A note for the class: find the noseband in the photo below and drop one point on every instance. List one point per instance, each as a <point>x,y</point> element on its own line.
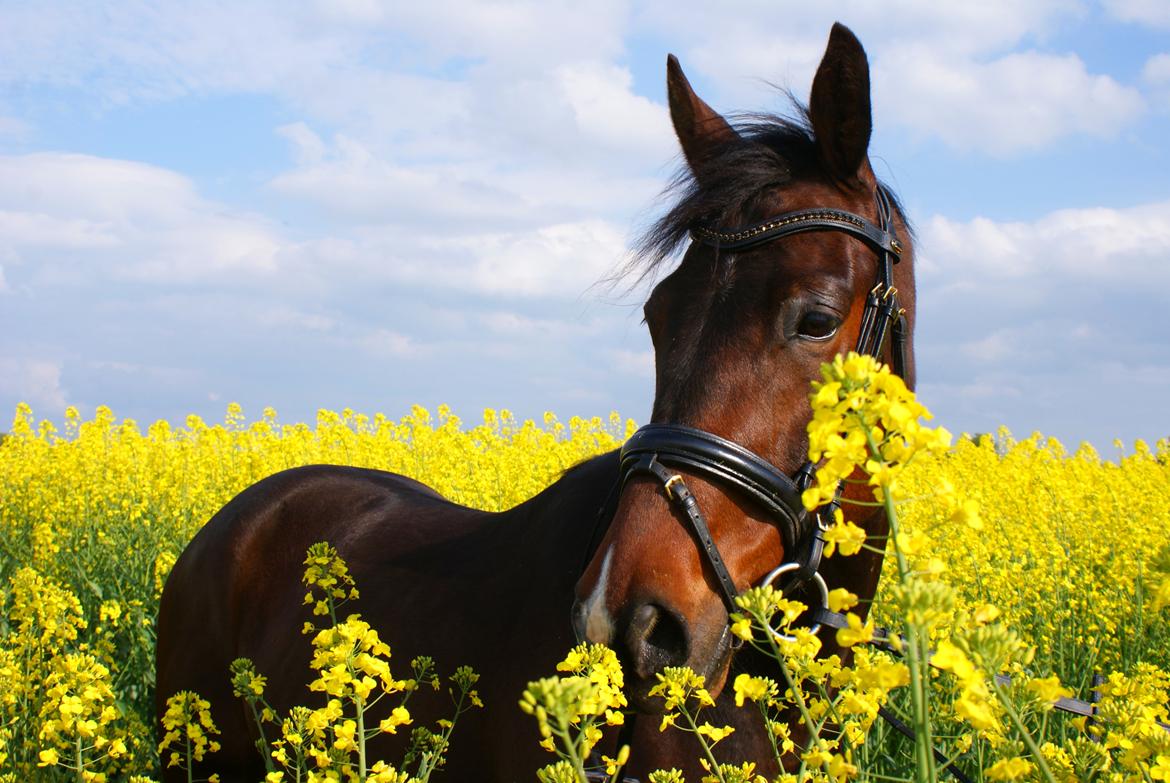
<point>659,449</point>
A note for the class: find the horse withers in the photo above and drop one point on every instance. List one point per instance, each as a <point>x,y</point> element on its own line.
<point>790,231</point>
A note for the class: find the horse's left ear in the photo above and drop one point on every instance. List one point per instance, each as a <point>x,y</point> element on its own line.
<point>839,108</point>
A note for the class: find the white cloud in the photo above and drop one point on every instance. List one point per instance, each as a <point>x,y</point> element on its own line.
<point>99,216</point>
<point>1101,245</point>
<point>69,219</point>
<point>35,381</point>
<point>1037,323</point>
<point>638,363</point>
<point>386,343</point>
<point>14,128</point>
<point>994,347</point>
<point>1022,101</point>
<point>354,186</point>
<point>1153,13</point>
<point>1156,74</point>
<point>1157,69</point>
<point>279,316</point>
<point>556,259</point>
<point>607,111</point>
<point>530,329</point>
<point>554,262</point>
<point>308,148</point>
<point>349,181</point>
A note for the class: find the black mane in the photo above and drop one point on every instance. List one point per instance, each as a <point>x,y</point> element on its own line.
<point>769,151</point>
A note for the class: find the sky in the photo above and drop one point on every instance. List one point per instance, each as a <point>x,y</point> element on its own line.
<point>380,204</point>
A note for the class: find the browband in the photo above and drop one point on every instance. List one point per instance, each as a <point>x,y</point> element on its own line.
<point>795,222</point>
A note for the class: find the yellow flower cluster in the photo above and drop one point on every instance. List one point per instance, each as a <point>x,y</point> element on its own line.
<point>864,416</point>
<point>836,702</point>
<point>328,581</point>
<point>865,419</point>
<point>570,711</point>
<point>78,710</point>
<point>353,671</point>
<point>57,708</point>
<point>188,730</point>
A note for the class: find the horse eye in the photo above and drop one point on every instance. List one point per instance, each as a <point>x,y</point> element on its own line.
<point>818,325</point>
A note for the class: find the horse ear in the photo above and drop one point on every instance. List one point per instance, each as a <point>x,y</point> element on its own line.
<point>839,108</point>
<point>700,129</point>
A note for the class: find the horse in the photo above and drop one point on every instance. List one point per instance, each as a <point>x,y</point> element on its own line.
<point>642,549</point>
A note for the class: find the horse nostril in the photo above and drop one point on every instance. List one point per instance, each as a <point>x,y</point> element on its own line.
<point>656,638</point>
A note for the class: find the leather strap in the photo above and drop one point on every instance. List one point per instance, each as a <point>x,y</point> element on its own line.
<point>680,446</point>
<point>678,493</point>
<point>821,219</point>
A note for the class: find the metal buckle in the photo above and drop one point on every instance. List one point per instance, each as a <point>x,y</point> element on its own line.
<point>817,579</point>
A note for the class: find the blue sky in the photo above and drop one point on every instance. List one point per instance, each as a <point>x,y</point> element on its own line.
<point>374,204</point>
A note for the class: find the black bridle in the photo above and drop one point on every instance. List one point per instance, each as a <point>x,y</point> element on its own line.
<point>659,449</point>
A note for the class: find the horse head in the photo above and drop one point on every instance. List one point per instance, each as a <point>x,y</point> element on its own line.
<point>789,229</point>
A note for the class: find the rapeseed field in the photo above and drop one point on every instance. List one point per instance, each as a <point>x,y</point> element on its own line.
<point>1068,549</point>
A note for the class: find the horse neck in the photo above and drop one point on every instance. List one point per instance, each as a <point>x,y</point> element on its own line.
<point>552,532</point>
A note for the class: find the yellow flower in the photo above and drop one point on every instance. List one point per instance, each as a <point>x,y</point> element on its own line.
<point>1048,690</point>
<point>742,628</point>
<point>1009,769</point>
<point>846,535</point>
<point>613,765</point>
<point>841,599</point>
<point>398,717</point>
<point>967,513</point>
<point>950,658</point>
<point>856,633</point>
<point>712,733</point>
<point>754,688</point>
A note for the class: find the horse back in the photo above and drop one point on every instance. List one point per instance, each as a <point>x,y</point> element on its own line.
<point>236,590</point>
<point>435,578</point>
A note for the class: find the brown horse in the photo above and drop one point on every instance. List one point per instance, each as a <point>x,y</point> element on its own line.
<point>739,327</point>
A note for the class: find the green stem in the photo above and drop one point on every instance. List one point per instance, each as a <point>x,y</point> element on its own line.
<point>80,762</point>
<point>1025,735</point>
<point>262,742</point>
<point>570,748</point>
<point>702,743</point>
<point>916,642</point>
<point>771,735</point>
<point>425,766</point>
<point>797,692</point>
<point>361,736</point>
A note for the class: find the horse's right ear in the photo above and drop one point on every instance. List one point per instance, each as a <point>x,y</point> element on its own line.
<point>700,129</point>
